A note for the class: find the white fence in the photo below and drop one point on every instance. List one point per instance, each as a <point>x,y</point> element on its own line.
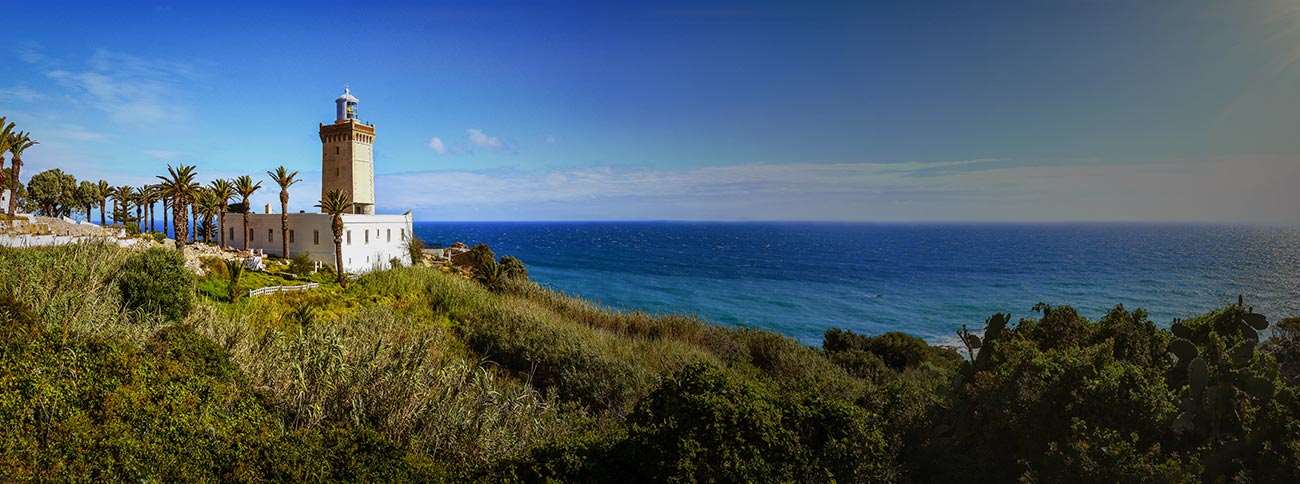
<point>21,241</point>
<point>277,289</point>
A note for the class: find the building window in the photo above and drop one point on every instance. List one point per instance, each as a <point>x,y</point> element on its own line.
<point>250,235</point>
<point>336,150</point>
<point>290,236</point>
<point>390,235</point>
<point>367,235</point>
<point>403,234</point>
<point>315,237</point>
<point>349,237</point>
<point>232,233</point>
<point>270,235</point>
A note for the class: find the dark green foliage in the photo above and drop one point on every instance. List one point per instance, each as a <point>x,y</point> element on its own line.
<point>556,360</point>
<point>1060,397</point>
<point>513,268</point>
<point>493,274</point>
<point>300,265</point>
<point>415,248</point>
<point>1284,346</point>
<point>156,281</point>
<point>234,270</point>
<point>703,424</point>
<point>54,192</point>
<point>897,350</point>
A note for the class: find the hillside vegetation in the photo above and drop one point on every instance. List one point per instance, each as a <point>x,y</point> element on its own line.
<point>119,365</point>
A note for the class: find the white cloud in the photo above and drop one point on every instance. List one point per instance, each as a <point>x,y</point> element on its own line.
<point>131,90</point>
<point>436,144</point>
<point>1255,190</point>
<point>31,53</point>
<point>19,94</point>
<point>77,133</point>
<point>480,139</point>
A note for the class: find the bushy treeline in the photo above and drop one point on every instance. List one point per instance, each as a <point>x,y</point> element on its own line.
<point>418,374</point>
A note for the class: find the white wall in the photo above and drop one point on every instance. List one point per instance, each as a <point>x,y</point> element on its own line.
<point>369,248</point>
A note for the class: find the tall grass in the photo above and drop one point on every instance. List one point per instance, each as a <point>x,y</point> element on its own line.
<point>356,363</point>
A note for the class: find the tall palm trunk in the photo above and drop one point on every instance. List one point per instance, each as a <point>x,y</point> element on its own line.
<point>139,217</point>
<point>245,224</point>
<point>284,223</point>
<point>102,204</point>
<point>164,217</point>
<point>4,182</point>
<point>221,228</point>
<point>178,221</point>
<point>194,215</point>
<point>13,194</point>
<point>207,227</point>
<point>338,252</point>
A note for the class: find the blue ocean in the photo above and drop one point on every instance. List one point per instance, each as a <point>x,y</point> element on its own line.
<point>800,279</point>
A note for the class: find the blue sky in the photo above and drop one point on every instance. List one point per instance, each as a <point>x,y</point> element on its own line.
<point>1071,110</point>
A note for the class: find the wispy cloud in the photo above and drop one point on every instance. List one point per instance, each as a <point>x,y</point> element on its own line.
<point>131,90</point>
<point>31,53</point>
<point>436,144</point>
<point>74,132</point>
<point>480,139</point>
<point>1239,189</point>
<point>19,94</point>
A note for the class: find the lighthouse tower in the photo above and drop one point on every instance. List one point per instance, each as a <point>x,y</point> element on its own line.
<point>347,155</point>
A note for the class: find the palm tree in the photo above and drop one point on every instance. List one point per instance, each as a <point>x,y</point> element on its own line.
<point>285,179</point>
<point>139,197</point>
<point>212,206</point>
<point>86,196</point>
<point>5,130</point>
<point>245,187</point>
<point>102,191</point>
<point>124,195</point>
<point>221,190</point>
<point>18,142</point>
<point>194,215</point>
<point>336,204</point>
<point>179,185</point>
<point>148,195</point>
<point>167,203</point>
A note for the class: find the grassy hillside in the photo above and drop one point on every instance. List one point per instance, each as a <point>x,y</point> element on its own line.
<point>414,373</point>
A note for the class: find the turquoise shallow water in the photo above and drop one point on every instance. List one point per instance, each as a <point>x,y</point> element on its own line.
<point>800,279</point>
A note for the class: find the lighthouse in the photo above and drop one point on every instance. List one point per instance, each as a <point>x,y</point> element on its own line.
<point>348,154</point>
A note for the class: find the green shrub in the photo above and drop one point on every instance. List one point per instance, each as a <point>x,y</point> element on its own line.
<point>513,268</point>
<point>704,424</point>
<point>156,281</point>
<point>897,350</point>
<point>415,249</point>
<point>1284,346</point>
<point>234,270</point>
<point>556,358</point>
<point>301,265</point>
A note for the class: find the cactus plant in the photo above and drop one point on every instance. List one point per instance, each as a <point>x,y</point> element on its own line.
<point>1217,374</point>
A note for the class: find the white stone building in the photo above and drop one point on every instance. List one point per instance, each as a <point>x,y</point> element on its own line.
<point>347,164</point>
